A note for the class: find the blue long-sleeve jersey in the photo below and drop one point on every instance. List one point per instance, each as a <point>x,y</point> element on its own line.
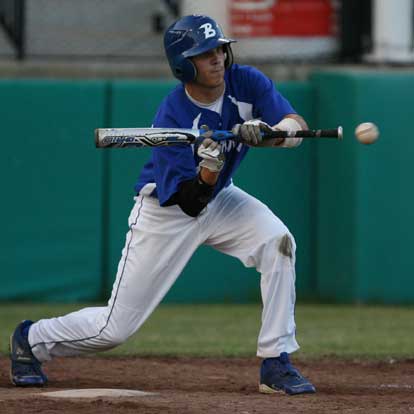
<point>249,94</point>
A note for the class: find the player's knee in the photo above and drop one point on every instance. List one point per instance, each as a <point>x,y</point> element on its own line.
<point>281,244</point>
<point>287,245</point>
<point>278,247</point>
<point>113,338</point>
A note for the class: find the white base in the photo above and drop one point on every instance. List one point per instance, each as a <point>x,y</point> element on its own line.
<point>96,393</point>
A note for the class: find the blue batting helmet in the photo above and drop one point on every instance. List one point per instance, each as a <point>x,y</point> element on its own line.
<point>190,36</point>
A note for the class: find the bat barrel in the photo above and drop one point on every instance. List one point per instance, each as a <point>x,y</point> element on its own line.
<point>143,137</point>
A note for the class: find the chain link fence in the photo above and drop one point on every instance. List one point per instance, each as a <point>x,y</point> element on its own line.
<point>91,29</point>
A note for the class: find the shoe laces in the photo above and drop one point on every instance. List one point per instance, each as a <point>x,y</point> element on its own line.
<point>285,367</point>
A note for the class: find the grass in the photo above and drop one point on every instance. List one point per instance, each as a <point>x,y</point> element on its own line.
<point>371,332</point>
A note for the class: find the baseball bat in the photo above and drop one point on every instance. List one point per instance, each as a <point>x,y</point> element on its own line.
<point>156,137</point>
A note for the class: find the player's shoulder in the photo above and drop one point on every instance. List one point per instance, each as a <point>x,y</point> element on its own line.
<point>246,73</point>
<point>247,82</point>
<point>173,109</point>
<point>175,96</point>
<point>174,100</point>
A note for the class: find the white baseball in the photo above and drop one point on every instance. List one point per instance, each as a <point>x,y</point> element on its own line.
<point>366,133</point>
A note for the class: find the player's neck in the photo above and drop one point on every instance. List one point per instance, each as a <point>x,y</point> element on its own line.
<point>204,94</point>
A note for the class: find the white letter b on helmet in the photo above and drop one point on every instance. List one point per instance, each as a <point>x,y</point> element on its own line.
<point>208,30</point>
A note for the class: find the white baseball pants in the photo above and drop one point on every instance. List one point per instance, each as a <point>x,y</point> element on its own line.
<point>160,242</point>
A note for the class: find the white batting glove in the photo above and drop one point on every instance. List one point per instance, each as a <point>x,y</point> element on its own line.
<point>289,124</point>
<point>212,157</point>
<point>250,131</point>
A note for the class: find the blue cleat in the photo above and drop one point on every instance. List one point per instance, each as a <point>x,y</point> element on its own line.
<point>26,370</point>
<point>279,375</point>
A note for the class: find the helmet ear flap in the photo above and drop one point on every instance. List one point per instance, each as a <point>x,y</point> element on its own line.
<point>185,71</point>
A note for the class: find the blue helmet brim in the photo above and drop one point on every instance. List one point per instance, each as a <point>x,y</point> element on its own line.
<point>211,44</point>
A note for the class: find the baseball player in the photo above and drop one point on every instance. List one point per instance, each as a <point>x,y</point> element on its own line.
<point>185,198</point>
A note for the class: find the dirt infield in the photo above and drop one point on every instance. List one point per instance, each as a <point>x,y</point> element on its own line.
<point>202,385</point>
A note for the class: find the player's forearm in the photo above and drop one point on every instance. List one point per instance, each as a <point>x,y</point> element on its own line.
<point>299,119</point>
<point>192,196</point>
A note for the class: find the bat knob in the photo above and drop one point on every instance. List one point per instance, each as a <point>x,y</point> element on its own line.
<point>340,132</point>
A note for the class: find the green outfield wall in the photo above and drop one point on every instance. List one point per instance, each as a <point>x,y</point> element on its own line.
<point>365,198</point>
<point>65,204</point>
<point>51,204</point>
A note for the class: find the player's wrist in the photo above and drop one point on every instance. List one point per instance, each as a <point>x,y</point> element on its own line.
<point>207,177</point>
<point>212,165</point>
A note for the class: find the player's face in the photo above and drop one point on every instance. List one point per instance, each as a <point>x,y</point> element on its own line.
<point>210,67</point>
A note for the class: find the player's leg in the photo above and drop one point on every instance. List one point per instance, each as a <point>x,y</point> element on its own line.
<point>158,245</point>
<point>248,230</point>
<point>242,226</point>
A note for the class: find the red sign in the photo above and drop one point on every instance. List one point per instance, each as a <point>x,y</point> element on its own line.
<point>267,18</point>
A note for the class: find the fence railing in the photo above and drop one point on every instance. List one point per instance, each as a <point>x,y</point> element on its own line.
<point>12,19</point>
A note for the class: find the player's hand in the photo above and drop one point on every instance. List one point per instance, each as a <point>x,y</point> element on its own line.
<point>210,153</point>
<point>277,142</point>
<point>250,132</point>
